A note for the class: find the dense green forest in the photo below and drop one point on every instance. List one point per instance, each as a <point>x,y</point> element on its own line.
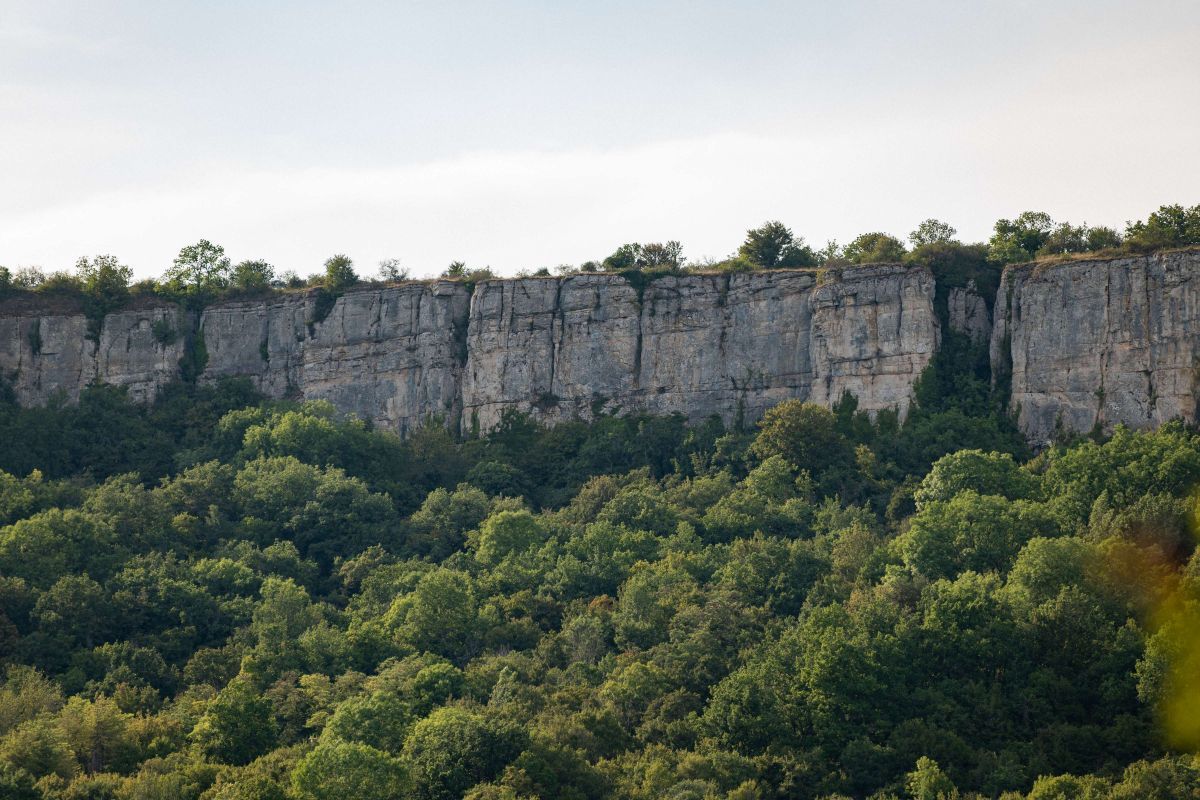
<point>227,598</point>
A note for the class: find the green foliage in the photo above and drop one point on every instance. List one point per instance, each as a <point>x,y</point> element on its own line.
<point>224,598</point>
<point>654,256</point>
<point>930,232</point>
<point>773,246</point>
<point>1068,238</point>
<point>164,332</point>
<point>199,271</point>
<point>342,770</point>
<point>339,273</point>
<point>873,248</point>
<point>453,749</point>
<point>237,726</point>
<point>928,782</point>
<point>1019,239</point>
<point>806,436</point>
<point>1169,226</point>
<point>105,285</point>
<point>252,276</point>
<point>194,358</point>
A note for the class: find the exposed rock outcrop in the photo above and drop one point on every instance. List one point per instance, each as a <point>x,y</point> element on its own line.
<point>391,355</point>
<point>968,313</point>
<point>1103,342</point>
<point>47,354</point>
<point>731,345</point>
<point>557,348</point>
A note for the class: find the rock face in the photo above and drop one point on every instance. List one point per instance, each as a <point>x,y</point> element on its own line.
<point>1100,342</point>
<point>969,313</point>
<point>731,345</point>
<point>392,356</point>
<point>557,348</point>
<point>1081,344</point>
<point>44,355</point>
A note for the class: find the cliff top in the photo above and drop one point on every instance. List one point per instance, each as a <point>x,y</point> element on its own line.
<point>66,302</point>
<point>1046,263</point>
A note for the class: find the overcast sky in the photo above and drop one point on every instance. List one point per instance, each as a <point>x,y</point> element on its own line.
<point>529,134</point>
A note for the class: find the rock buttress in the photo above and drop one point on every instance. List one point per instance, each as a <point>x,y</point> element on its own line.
<point>1101,342</point>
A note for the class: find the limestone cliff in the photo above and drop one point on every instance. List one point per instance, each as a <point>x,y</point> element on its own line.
<point>45,354</point>
<point>1099,342</point>
<point>390,355</point>
<point>557,348</point>
<point>731,345</point>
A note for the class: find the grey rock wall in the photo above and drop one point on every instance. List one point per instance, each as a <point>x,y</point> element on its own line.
<point>388,355</point>
<point>557,348</point>
<point>730,345</point>
<point>1089,343</point>
<point>43,355</point>
<point>969,313</point>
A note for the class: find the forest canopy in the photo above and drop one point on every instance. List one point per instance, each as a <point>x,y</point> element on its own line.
<point>221,597</point>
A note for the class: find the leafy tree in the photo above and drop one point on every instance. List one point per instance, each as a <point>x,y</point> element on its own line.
<point>100,734</point>
<point>624,257</point>
<point>928,782</point>
<point>199,268</point>
<point>17,784</point>
<point>105,284</point>
<point>440,525</point>
<point>661,255</point>
<point>253,275</point>
<point>25,694</point>
<point>339,273</point>
<point>237,726</point>
<point>506,533</point>
<point>76,607</point>
<point>1169,226</point>
<point>773,246</point>
<point>931,231</point>
<point>1068,238</point>
<point>391,271</point>
<point>805,435</point>
<point>38,747</point>
<point>972,532</point>
<point>1021,238</point>
<point>341,770</point>
<point>975,470</point>
<point>872,248</point>
<point>453,749</point>
<point>440,615</point>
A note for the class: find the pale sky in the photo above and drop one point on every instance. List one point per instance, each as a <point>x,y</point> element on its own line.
<point>529,134</point>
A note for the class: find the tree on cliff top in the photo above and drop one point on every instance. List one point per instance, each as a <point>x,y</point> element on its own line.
<point>773,246</point>
<point>932,231</point>
<point>1019,239</point>
<point>874,248</point>
<point>339,272</point>
<point>199,268</point>
<point>1169,226</point>
<point>655,255</point>
<point>105,281</point>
